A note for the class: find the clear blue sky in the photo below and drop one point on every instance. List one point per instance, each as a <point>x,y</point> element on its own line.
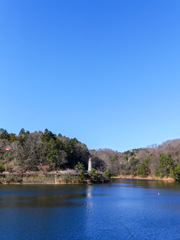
<point>105,72</point>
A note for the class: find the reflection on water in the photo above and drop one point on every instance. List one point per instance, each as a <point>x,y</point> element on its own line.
<point>149,209</point>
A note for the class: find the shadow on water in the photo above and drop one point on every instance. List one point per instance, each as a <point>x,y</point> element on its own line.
<point>43,196</point>
<point>156,184</point>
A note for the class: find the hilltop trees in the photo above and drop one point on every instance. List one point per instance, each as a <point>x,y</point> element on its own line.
<point>162,160</point>
<point>4,134</point>
<point>31,151</point>
<point>49,151</point>
<point>56,155</point>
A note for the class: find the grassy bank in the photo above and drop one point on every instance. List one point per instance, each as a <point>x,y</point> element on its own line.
<point>51,179</point>
<point>152,177</point>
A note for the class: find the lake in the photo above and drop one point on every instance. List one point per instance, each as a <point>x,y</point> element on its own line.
<point>123,209</point>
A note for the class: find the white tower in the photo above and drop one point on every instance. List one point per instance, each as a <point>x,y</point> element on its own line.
<point>89,165</point>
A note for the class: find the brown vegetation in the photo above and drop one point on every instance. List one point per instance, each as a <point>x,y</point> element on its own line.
<point>46,151</point>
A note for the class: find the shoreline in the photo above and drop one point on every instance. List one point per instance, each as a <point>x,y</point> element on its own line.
<point>58,179</point>
<point>152,177</point>
<point>52,179</point>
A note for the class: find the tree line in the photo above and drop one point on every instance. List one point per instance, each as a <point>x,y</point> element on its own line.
<point>46,151</point>
<point>40,151</point>
<point>161,161</point>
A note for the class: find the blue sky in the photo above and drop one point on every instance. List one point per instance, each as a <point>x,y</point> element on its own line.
<point>105,72</point>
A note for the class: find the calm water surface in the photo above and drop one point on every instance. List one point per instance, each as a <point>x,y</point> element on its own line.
<point>148,209</point>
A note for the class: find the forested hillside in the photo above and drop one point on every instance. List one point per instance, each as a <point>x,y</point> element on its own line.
<point>160,161</point>
<point>40,151</point>
<point>46,151</point>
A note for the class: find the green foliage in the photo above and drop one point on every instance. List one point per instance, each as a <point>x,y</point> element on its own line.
<point>114,159</point>
<point>108,174</point>
<point>22,131</point>
<point>32,151</point>
<point>143,169</point>
<point>70,148</point>
<point>22,137</point>
<point>127,152</point>
<point>132,165</point>
<point>2,130</point>
<point>93,175</point>
<point>175,172</point>
<point>21,140</point>
<point>46,150</point>
<point>80,168</point>
<point>96,177</point>
<point>2,168</point>
<point>135,161</point>
<point>165,164</point>
<point>53,151</point>
<point>12,137</point>
<point>149,157</point>
<point>48,135</point>
<point>136,150</point>
<point>4,134</point>
<point>176,153</point>
<point>126,155</point>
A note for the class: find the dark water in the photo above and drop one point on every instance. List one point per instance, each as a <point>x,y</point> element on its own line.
<point>96,212</point>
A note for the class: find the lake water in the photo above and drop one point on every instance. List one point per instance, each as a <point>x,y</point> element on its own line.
<point>146,209</point>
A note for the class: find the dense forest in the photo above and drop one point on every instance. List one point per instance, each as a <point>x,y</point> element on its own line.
<point>46,151</point>
<point>43,151</point>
